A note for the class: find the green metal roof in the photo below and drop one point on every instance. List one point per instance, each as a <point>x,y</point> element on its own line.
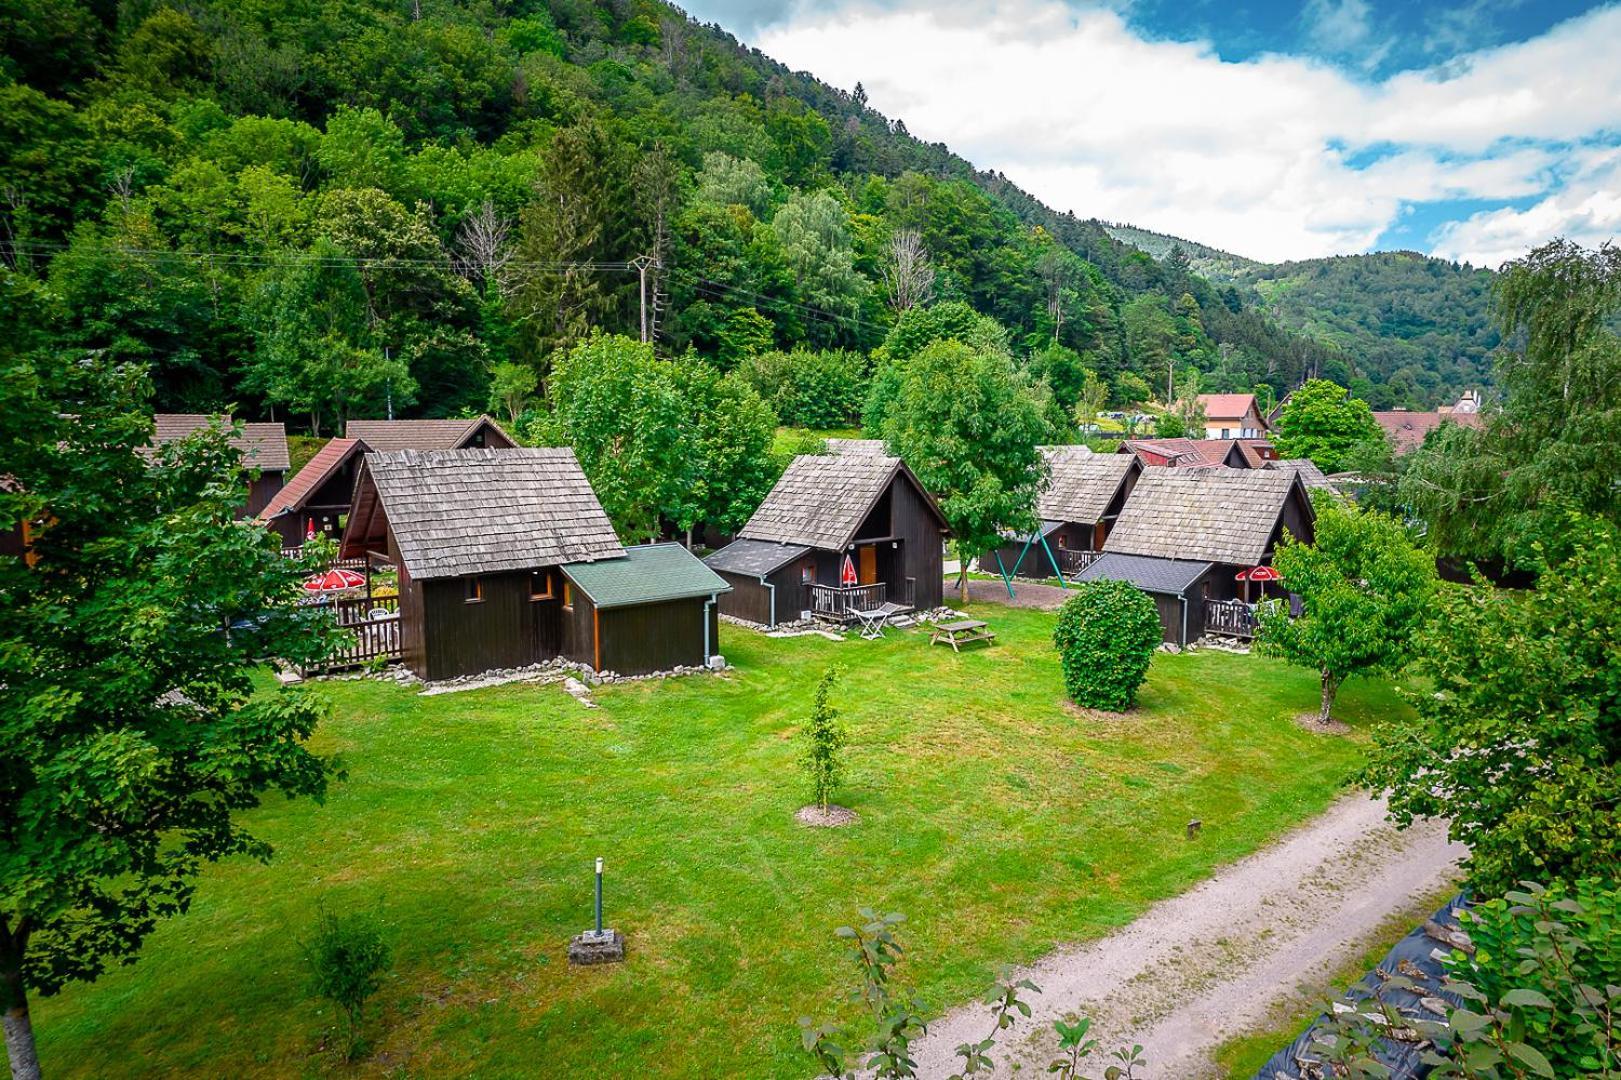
<point>649,574</point>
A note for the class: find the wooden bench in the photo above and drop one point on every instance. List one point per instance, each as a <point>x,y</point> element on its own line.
<point>961,632</point>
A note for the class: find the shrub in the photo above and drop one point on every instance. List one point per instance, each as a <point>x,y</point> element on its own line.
<point>824,743</point>
<point>810,388</point>
<point>1106,635</point>
<point>347,958</point>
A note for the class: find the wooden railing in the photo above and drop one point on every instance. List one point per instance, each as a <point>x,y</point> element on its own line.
<point>1071,561</point>
<point>372,626</point>
<point>834,601</point>
<point>356,563</point>
<point>1231,618</point>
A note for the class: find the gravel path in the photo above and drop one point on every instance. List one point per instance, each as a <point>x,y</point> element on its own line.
<point>1026,594</point>
<point>1202,967</point>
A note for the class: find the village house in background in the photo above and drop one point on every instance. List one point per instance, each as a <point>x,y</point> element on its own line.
<point>384,436</point>
<point>316,499</point>
<point>263,447</point>
<point>1186,453</point>
<point>1232,416</point>
<point>1078,504</point>
<point>505,558</point>
<point>839,533</point>
<point>1406,429</point>
<point>1200,542</point>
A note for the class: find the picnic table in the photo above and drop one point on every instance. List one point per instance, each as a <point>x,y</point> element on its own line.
<point>873,620</point>
<point>960,632</point>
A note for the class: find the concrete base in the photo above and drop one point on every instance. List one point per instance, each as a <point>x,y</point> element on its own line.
<point>590,947</point>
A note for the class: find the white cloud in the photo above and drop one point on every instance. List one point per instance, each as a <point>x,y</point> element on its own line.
<point>1586,209</point>
<point>1263,157</point>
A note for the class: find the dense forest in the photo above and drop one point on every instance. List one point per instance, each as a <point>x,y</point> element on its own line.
<point>1410,329</point>
<point>317,210</point>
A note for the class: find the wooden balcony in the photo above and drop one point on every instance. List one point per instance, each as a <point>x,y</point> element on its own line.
<point>1071,561</point>
<point>1229,618</point>
<point>839,603</point>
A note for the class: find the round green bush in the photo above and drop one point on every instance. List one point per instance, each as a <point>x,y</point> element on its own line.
<point>1107,633</point>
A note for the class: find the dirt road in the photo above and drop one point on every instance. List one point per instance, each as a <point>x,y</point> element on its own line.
<point>1198,969</point>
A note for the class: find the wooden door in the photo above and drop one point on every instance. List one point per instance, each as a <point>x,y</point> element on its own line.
<point>867,565</point>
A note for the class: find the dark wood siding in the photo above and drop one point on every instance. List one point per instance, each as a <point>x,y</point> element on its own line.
<point>413,636</point>
<point>504,629</point>
<point>326,508</point>
<point>652,637</point>
<point>751,600</point>
<point>260,492</point>
<point>920,535</point>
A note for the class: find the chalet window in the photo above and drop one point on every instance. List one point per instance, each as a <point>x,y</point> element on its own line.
<point>568,596</point>
<point>473,589</point>
<point>541,586</point>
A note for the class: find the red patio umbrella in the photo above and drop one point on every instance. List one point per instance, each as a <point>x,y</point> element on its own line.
<point>1258,573</point>
<point>334,581</point>
<point>847,576</point>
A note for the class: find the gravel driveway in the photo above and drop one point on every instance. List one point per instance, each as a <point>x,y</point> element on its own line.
<point>1202,967</point>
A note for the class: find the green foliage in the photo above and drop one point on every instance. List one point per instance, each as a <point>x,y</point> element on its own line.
<point>1170,425</point>
<point>1321,422</point>
<point>825,737</point>
<point>810,388</point>
<point>133,733</point>
<point>347,958</point>
<point>728,181</point>
<point>1106,636</point>
<point>1518,743</point>
<point>968,424</point>
<point>511,387</point>
<point>1366,588</point>
<point>1494,491</point>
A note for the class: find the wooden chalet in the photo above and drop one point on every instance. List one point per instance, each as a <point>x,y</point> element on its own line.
<point>1078,505</point>
<point>1193,540</point>
<point>839,533</point>
<point>317,498</point>
<point>386,436</point>
<point>505,558</point>
<point>263,447</point>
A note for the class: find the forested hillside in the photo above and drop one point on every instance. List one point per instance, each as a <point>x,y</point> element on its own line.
<point>1413,330</point>
<point>324,210</point>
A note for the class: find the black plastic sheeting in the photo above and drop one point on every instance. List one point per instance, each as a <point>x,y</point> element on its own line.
<point>1416,957</point>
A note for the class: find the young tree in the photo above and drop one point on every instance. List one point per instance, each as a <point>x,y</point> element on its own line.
<point>1323,423</point>
<point>1106,636</point>
<point>1089,405</point>
<point>968,424</point>
<point>1366,588</point>
<point>347,958</point>
<point>824,743</point>
<point>131,731</point>
<point>511,387</point>
<point>1517,744</point>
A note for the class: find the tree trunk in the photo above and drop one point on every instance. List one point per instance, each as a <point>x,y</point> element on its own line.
<point>962,572</point>
<point>1331,687</point>
<point>19,1030</point>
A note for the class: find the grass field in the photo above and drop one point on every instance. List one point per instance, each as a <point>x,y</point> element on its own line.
<point>997,818</point>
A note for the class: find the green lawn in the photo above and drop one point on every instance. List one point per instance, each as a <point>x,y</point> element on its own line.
<point>999,820</point>
<point>789,437</point>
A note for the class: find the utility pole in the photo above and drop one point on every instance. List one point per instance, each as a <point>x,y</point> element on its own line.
<point>641,263</point>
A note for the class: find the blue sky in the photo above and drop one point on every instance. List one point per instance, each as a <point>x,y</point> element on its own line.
<point>1472,130</point>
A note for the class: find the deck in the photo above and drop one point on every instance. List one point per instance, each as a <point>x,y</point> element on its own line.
<point>840,603</point>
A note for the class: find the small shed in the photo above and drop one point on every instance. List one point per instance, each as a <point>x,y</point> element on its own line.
<point>652,610</point>
<point>1078,503</point>
<point>1175,585</point>
<point>263,447</point>
<point>385,436</point>
<point>480,538</point>
<point>317,497</point>
<point>839,533</point>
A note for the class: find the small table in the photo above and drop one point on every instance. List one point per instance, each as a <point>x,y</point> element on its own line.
<point>873,620</point>
<point>961,632</point>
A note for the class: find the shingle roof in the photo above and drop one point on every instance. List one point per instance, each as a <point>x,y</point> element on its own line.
<point>1172,576</point>
<point>648,574</point>
<point>263,445</point>
<point>1182,453</point>
<point>479,511</point>
<point>1213,515</point>
<point>756,558</point>
<point>386,435</point>
<point>1227,406</point>
<point>1407,429</point>
<point>1306,469</point>
<point>1080,484</point>
<point>316,471</point>
<point>822,499</point>
<point>857,446</point>
<point>1257,452</point>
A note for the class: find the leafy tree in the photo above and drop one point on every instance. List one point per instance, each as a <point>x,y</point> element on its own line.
<point>1089,403</point>
<point>1106,636</point>
<point>1170,425</point>
<point>814,232</point>
<point>1321,422</point>
<point>809,387</point>
<point>728,181</point>
<point>347,959</point>
<point>824,743</point>
<point>725,449</point>
<point>619,407</point>
<point>133,734</point>
<point>511,387</point>
<point>968,424</point>
<point>1518,743</point>
<point>1366,590</point>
